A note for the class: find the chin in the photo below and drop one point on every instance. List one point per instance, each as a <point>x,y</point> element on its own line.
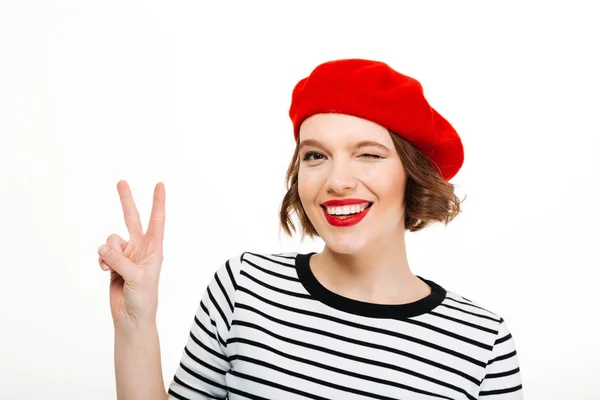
<point>345,244</point>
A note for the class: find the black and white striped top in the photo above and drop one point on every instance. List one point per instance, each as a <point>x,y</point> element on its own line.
<point>267,329</point>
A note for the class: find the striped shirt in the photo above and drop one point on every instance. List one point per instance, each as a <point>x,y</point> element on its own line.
<point>266,328</point>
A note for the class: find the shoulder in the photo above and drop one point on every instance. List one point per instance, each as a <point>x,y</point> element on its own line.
<point>248,263</point>
<point>477,313</point>
<point>459,302</point>
<point>283,259</point>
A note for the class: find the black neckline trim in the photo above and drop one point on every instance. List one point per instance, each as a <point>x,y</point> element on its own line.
<point>326,296</point>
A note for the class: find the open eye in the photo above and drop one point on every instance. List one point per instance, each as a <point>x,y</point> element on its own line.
<point>311,153</point>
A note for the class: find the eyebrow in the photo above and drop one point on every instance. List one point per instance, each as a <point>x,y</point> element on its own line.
<point>362,143</point>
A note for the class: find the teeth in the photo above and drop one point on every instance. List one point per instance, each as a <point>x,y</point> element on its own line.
<point>345,210</point>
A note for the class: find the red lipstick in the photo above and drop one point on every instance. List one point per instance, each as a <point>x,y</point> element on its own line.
<point>345,221</point>
<point>344,202</point>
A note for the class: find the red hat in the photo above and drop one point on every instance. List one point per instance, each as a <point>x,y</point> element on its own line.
<point>373,90</point>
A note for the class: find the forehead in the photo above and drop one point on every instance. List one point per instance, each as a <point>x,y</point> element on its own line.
<point>342,130</point>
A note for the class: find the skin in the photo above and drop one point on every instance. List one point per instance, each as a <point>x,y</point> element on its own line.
<point>367,261</point>
<point>134,267</point>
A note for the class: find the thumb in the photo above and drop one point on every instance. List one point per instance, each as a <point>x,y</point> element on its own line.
<point>117,261</point>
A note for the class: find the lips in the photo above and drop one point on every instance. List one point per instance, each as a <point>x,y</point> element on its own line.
<point>345,221</point>
<point>344,202</point>
<point>325,205</point>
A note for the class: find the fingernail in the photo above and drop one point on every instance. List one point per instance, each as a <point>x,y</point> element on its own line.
<point>103,250</point>
<point>105,267</point>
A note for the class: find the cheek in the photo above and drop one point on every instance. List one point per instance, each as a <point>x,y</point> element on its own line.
<point>388,186</point>
<point>308,186</point>
<point>395,189</point>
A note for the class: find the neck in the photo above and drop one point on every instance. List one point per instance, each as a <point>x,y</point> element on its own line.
<point>378,274</point>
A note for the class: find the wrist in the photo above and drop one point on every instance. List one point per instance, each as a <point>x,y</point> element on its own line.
<point>134,326</point>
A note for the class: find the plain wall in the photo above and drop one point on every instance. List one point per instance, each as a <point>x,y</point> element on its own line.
<point>196,94</point>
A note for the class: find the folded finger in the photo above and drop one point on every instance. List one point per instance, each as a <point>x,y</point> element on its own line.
<point>116,260</point>
<point>117,241</point>
<point>103,264</point>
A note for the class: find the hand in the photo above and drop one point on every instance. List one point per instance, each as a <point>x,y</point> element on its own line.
<point>135,265</point>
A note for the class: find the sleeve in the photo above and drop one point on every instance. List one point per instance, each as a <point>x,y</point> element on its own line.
<point>201,371</point>
<point>502,380</point>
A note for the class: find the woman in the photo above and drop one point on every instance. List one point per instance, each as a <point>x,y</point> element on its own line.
<point>372,161</point>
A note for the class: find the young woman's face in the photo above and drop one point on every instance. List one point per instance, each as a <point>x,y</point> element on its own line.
<point>336,165</point>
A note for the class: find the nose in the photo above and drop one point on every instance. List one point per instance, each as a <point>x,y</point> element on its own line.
<point>341,177</point>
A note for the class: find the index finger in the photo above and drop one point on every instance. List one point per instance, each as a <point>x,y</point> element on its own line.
<point>156,226</point>
<point>130,212</point>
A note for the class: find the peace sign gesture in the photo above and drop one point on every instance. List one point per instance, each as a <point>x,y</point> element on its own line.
<point>135,264</point>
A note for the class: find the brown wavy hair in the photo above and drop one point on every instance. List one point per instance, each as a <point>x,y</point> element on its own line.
<point>428,196</point>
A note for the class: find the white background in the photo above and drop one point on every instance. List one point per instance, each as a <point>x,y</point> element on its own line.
<point>196,95</point>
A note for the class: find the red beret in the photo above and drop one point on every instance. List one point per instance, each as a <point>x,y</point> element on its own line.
<point>373,90</point>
